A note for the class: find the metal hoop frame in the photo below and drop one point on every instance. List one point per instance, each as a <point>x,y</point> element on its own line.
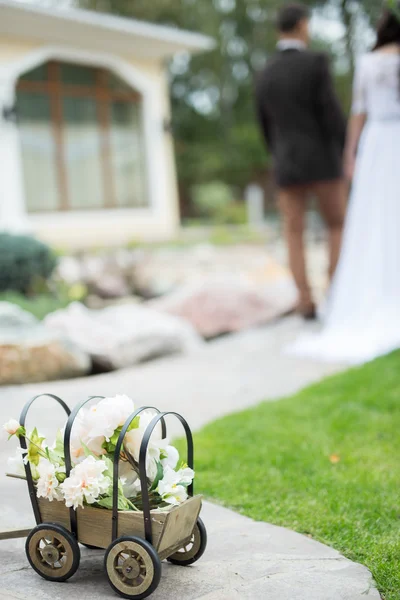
<point>117,454</point>
<point>67,454</point>
<point>160,416</point>
<point>142,466</point>
<point>22,442</point>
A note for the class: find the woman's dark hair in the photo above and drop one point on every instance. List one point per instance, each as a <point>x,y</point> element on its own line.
<point>290,16</point>
<point>388,30</point>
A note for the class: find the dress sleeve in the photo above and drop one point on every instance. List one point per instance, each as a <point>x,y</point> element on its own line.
<point>360,105</point>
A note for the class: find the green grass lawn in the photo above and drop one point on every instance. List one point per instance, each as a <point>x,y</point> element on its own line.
<point>325,462</point>
<point>39,305</point>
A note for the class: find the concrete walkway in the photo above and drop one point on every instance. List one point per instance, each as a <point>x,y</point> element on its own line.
<point>244,560</point>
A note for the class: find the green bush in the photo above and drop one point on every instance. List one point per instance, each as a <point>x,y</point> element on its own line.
<point>216,203</point>
<point>25,263</point>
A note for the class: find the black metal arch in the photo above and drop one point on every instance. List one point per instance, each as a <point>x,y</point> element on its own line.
<point>22,441</point>
<point>142,465</point>
<point>117,453</point>
<point>67,454</point>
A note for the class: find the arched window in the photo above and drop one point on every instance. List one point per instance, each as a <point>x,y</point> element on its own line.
<point>81,139</point>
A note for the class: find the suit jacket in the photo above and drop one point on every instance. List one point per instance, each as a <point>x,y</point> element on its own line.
<point>301,118</point>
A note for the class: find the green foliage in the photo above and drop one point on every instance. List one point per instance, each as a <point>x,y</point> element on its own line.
<point>40,305</point>
<point>25,263</point>
<point>215,202</point>
<point>110,445</point>
<point>35,448</point>
<point>323,462</point>
<point>210,197</point>
<point>215,130</point>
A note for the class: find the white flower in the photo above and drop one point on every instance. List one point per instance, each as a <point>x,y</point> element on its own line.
<point>186,476</point>
<point>12,426</point>
<point>109,414</point>
<point>80,435</point>
<point>16,463</point>
<point>93,426</point>
<point>133,442</point>
<point>170,488</point>
<point>48,485</point>
<point>129,479</point>
<point>172,457</point>
<point>86,483</point>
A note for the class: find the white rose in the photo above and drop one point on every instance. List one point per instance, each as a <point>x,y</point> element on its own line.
<point>12,426</point>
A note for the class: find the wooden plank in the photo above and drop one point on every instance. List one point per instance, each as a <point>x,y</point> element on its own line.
<point>95,524</point>
<point>180,524</point>
<point>12,534</point>
<point>173,549</point>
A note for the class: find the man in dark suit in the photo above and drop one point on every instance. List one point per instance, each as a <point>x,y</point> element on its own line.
<point>305,130</point>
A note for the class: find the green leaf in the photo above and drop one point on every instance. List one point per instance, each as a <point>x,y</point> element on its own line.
<point>159,476</point>
<point>35,450</point>
<point>105,502</point>
<point>59,448</point>
<point>110,467</point>
<point>110,446</point>
<point>134,424</point>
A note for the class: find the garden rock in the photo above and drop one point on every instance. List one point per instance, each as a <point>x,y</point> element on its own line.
<point>228,304</point>
<point>120,336</point>
<point>110,286</point>
<point>32,354</point>
<point>12,316</point>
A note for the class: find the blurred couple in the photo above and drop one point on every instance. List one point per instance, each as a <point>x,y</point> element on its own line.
<point>314,153</point>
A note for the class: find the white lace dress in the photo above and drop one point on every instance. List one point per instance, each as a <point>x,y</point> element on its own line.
<point>363,309</point>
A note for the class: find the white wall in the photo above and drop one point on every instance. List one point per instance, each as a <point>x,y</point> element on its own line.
<point>83,229</point>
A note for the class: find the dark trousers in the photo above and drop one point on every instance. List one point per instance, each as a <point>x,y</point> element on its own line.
<point>332,200</point>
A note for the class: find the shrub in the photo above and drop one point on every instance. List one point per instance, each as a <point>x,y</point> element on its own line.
<point>25,263</point>
<point>216,203</point>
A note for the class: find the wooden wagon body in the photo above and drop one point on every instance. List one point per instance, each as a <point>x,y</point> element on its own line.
<point>135,542</point>
<point>171,529</point>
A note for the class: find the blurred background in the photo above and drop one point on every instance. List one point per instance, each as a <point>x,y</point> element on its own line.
<point>134,175</point>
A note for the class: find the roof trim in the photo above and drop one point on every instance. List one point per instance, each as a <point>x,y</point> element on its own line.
<point>169,36</point>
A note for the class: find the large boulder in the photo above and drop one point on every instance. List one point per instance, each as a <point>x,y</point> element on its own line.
<point>228,304</point>
<point>120,336</point>
<point>106,275</point>
<point>30,353</point>
<point>12,316</point>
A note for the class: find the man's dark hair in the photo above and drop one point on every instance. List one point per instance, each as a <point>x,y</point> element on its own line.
<point>290,16</point>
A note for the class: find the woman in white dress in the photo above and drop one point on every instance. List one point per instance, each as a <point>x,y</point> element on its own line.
<point>363,309</point>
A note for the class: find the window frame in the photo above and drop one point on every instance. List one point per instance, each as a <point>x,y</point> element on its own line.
<point>104,95</point>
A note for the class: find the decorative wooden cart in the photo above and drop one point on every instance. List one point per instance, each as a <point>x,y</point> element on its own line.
<point>135,542</point>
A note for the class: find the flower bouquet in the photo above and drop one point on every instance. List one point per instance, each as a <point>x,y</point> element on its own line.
<point>94,438</point>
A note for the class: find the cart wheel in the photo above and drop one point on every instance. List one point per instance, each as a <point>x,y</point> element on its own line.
<point>133,567</point>
<point>52,552</point>
<point>194,549</point>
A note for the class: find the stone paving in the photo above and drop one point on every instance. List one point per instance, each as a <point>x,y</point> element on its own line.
<point>245,560</point>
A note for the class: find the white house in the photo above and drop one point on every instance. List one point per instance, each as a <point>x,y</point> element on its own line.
<point>86,157</point>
